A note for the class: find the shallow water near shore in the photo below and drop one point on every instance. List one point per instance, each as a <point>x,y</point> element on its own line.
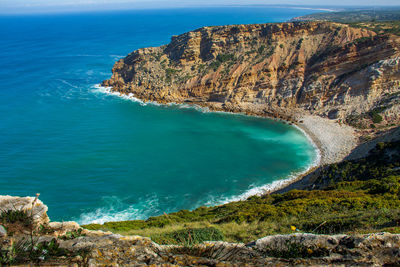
<point>95,157</point>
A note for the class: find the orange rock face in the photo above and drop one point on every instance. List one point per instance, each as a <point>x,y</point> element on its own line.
<point>322,68</point>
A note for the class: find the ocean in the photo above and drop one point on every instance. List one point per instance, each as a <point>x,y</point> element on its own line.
<point>97,157</point>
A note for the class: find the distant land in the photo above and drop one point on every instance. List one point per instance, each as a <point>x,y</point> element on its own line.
<point>351,15</point>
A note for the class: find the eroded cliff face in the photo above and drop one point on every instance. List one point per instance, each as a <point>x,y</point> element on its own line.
<point>321,68</point>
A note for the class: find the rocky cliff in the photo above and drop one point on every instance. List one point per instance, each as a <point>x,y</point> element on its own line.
<point>279,70</point>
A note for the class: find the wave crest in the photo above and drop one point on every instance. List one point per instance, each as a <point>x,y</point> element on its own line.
<point>115,209</point>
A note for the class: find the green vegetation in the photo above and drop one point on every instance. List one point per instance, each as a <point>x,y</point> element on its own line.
<point>294,65</point>
<point>376,118</point>
<point>380,21</point>
<point>225,57</point>
<point>363,40</point>
<point>169,73</point>
<point>72,234</point>
<point>201,68</point>
<point>386,27</point>
<point>352,16</point>
<point>382,164</point>
<point>189,236</point>
<point>156,56</point>
<point>16,216</point>
<point>28,251</point>
<point>183,79</point>
<point>293,249</point>
<point>271,51</point>
<point>358,121</point>
<point>215,65</point>
<point>261,49</point>
<point>298,46</point>
<point>354,196</point>
<point>28,248</point>
<point>221,59</point>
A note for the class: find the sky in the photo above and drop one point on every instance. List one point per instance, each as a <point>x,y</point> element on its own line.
<point>20,6</point>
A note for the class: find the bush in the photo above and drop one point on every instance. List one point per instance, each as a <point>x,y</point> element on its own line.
<point>30,251</point>
<point>376,118</point>
<point>261,49</point>
<point>387,185</point>
<point>215,65</point>
<point>293,249</point>
<point>16,216</point>
<point>189,237</point>
<point>72,234</point>
<point>298,46</point>
<point>225,57</point>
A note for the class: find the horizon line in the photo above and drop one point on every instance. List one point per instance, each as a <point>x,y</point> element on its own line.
<point>89,8</point>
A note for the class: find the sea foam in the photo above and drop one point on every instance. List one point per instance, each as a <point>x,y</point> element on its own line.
<point>115,209</point>
<point>134,213</point>
<point>97,88</point>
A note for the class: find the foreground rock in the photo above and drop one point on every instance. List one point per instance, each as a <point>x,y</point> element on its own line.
<point>32,205</point>
<point>67,243</point>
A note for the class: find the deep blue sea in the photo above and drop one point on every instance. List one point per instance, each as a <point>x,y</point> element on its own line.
<point>95,157</point>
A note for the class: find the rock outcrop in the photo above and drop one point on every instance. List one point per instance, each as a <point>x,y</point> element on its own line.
<point>278,70</point>
<point>57,244</point>
<point>31,205</point>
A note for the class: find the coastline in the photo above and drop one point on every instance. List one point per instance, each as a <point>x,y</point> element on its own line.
<point>332,141</point>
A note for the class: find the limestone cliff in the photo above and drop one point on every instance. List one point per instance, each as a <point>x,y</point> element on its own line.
<point>322,68</point>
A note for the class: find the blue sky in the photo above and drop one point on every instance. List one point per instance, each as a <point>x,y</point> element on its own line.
<point>63,5</point>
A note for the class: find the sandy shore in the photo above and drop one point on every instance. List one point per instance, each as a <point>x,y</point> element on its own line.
<point>335,141</point>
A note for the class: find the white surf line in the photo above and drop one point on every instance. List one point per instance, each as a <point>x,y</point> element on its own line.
<point>256,191</point>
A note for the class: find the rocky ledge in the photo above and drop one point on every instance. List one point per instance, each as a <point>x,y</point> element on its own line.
<point>281,70</point>
<point>30,237</point>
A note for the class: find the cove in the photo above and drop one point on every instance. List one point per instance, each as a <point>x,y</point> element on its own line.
<point>96,157</point>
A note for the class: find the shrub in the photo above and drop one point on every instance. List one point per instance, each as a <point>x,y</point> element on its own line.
<point>30,251</point>
<point>271,51</point>
<point>298,46</point>
<point>72,234</point>
<point>189,236</point>
<point>293,249</point>
<point>170,71</point>
<point>225,57</point>
<point>16,216</point>
<point>376,118</point>
<point>261,49</point>
<point>215,65</point>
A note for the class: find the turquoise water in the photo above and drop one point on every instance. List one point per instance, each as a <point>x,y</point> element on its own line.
<point>96,157</point>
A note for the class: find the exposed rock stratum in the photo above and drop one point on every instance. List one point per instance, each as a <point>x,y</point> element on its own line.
<point>278,70</point>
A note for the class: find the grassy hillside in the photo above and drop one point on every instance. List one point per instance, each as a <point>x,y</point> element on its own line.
<point>380,27</point>
<point>350,16</point>
<point>354,197</point>
<point>381,21</point>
